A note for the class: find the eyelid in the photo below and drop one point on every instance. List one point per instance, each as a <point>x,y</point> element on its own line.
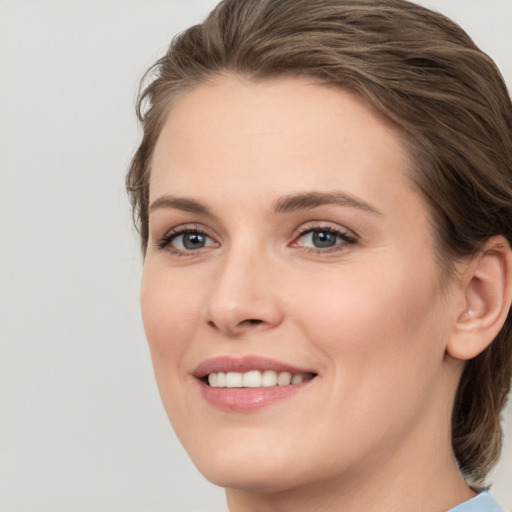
<point>348,237</point>
<point>164,241</point>
<point>326,225</point>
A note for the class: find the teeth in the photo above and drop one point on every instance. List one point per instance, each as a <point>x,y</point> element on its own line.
<point>213,380</point>
<point>251,379</point>
<point>269,379</point>
<point>256,379</point>
<point>233,380</point>
<point>221,380</point>
<point>284,379</point>
<point>297,379</point>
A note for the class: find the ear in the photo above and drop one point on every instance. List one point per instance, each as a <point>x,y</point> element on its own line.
<point>486,287</point>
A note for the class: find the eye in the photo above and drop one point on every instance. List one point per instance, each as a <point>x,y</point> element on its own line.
<point>323,239</point>
<point>185,240</point>
<point>190,241</point>
<point>320,239</point>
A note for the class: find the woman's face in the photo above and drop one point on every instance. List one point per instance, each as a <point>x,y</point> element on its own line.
<point>286,242</point>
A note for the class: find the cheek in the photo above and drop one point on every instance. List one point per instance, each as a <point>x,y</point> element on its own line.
<point>377,323</point>
<point>383,340</point>
<point>170,313</point>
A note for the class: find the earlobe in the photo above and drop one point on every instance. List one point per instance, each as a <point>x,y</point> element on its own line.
<point>487,291</point>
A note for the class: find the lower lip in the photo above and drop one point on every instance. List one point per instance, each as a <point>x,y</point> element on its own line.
<point>248,399</point>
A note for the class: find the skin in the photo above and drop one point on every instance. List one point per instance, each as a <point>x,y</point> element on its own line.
<point>372,430</point>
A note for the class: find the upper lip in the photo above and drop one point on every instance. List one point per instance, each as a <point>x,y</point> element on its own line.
<point>244,364</point>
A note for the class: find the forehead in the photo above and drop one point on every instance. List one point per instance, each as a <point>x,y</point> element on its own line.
<point>280,135</point>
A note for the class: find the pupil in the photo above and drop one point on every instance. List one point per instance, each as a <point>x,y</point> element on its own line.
<point>193,240</point>
<point>324,239</point>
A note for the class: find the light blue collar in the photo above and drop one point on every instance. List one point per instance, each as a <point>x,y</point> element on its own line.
<point>482,502</point>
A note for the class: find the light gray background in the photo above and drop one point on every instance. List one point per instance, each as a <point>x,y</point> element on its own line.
<point>82,428</point>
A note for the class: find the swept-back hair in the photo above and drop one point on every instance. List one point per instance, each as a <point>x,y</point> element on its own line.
<point>424,74</point>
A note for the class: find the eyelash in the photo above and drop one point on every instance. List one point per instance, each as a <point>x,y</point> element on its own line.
<point>346,239</point>
<point>166,241</point>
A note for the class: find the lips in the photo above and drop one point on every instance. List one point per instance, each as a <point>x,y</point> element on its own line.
<point>247,383</point>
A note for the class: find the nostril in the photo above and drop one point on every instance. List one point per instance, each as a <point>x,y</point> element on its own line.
<point>239,327</point>
<point>236,328</point>
<point>252,321</point>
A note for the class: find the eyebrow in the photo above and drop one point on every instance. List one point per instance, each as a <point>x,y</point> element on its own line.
<point>179,203</point>
<point>308,200</point>
<point>285,204</point>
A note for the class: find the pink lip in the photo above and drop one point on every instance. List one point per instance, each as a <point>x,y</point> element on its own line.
<point>246,399</point>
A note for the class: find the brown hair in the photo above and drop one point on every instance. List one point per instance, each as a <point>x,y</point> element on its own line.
<point>422,72</point>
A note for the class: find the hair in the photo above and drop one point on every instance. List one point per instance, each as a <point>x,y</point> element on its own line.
<point>424,74</point>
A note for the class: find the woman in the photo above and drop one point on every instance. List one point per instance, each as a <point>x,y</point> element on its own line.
<point>324,196</point>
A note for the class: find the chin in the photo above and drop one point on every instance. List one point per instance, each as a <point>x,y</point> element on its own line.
<point>247,465</point>
<point>249,476</point>
<point>261,465</point>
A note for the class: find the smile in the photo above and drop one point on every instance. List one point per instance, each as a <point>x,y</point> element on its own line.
<point>256,379</point>
<point>248,383</point>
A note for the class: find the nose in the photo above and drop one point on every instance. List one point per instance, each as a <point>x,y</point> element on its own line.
<point>243,296</point>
